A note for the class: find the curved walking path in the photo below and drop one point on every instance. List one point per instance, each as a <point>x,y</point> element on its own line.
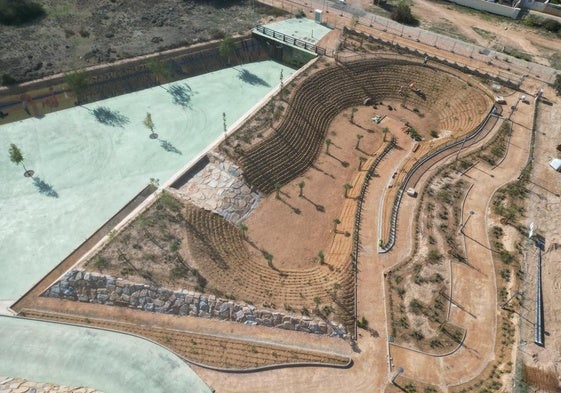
<point>474,289</point>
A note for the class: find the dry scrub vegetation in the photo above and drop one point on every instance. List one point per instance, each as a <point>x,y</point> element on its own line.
<point>176,245</point>
<point>419,288</point>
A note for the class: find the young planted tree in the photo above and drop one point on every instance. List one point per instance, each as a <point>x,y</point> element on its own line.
<point>17,158</point>
<point>336,222</point>
<point>405,96</point>
<point>277,190</point>
<point>227,48</point>
<point>354,21</point>
<point>321,257</point>
<point>358,138</point>
<point>347,187</point>
<point>353,111</point>
<point>244,229</point>
<point>317,302</point>
<point>385,130</point>
<point>361,161</point>
<point>269,258</point>
<point>150,125</point>
<point>77,81</point>
<point>327,144</point>
<point>301,186</point>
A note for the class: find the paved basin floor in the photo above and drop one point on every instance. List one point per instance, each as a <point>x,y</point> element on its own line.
<point>89,161</point>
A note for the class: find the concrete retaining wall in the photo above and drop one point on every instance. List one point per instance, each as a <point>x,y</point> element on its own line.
<point>546,8</point>
<point>493,8</point>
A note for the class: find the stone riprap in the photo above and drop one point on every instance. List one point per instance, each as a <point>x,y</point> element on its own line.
<point>88,287</point>
<point>19,385</point>
<point>221,188</point>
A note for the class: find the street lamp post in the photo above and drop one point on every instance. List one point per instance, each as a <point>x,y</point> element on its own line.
<point>471,213</point>
<point>399,371</point>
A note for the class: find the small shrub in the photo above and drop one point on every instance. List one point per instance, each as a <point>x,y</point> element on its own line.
<point>126,270</point>
<point>402,14</point>
<point>416,306</point>
<point>410,388</point>
<point>178,271</point>
<point>174,246</point>
<point>8,80</point>
<point>552,25</point>
<point>417,335</point>
<point>363,323</point>
<point>101,262</point>
<point>437,277</point>
<point>434,255</point>
<point>434,134</point>
<point>557,84</point>
<point>217,34</point>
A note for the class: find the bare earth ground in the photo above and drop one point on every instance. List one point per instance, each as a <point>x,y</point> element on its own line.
<point>295,239</point>
<point>77,34</point>
<point>495,31</point>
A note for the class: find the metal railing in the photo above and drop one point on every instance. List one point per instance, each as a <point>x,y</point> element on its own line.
<point>296,42</point>
<point>538,326</point>
<point>395,209</point>
<point>356,232</point>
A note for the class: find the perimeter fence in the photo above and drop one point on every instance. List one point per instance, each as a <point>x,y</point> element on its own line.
<point>507,66</point>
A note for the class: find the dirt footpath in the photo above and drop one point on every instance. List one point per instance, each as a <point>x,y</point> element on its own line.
<point>487,30</point>
<point>474,289</point>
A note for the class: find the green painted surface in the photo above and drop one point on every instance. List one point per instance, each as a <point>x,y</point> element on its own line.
<point>106,361</point>
<point>96,168</point>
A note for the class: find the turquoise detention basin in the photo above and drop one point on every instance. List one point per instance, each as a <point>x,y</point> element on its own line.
<point>89,170</point>
<point>103,360</point>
